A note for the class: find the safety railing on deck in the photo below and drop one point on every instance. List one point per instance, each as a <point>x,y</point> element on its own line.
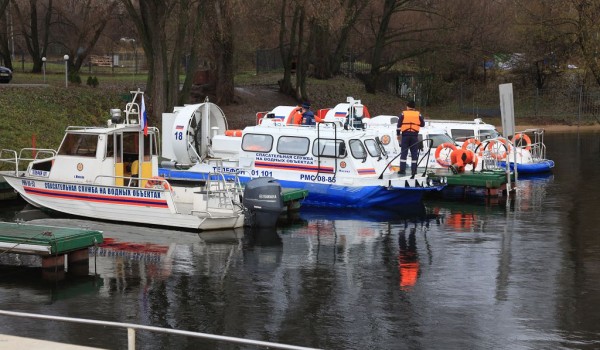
<point>15,159</point>
<point>132,328</point>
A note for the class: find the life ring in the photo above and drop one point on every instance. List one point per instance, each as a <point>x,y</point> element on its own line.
<point>518,141</point>
<point>444,162</point>
<point>471,144</point>
<point>156,181</point>
<point>494,149</point>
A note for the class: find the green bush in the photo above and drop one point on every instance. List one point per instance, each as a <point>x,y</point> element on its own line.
<point>92,81</point>
<point>74,78</point>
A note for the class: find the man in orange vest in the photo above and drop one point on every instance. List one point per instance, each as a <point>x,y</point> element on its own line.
<point>409,124</point>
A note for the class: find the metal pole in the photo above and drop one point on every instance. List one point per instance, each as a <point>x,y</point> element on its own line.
<point>130,339</point>
<point>44,68</point>
<point>66,57</point>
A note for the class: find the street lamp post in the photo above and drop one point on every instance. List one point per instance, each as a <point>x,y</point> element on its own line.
<point>44,68</point>
<point>135,62</point>
<point>66,57</point>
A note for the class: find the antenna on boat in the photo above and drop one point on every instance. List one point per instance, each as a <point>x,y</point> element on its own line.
<point>132,109</point>
<point>355,113</point>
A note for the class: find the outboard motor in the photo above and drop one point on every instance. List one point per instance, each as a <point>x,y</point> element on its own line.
<point>263,199</point>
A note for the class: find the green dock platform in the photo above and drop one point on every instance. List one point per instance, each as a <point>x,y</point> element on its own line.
<point>292,198</point>
<point>45,240</point>
<point>482,184</point>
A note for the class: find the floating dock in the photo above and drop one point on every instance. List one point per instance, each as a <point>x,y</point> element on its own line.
<point>292,198</point>
<point>481,184</point>
<point>53,244</point>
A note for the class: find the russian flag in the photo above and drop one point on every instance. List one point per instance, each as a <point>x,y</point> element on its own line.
<point>144,118</point>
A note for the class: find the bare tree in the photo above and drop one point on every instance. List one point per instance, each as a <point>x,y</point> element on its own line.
<point>35,32</point>
<point>79,25</point>
<point>150,19</point>
<point>221,19</point>
<point>4,33</point>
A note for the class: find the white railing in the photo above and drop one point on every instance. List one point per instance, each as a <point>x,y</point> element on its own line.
<point>131,328</point>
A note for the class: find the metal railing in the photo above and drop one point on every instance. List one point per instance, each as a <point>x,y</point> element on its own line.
<point>131,329</point>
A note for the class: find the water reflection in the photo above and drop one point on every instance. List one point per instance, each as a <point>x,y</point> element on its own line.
<point>408,259</point>
<point>516,274</point>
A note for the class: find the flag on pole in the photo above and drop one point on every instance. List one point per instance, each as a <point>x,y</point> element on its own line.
<point>144,118</point>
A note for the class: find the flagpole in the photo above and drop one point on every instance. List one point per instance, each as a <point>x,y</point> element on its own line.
<point>142,123</point>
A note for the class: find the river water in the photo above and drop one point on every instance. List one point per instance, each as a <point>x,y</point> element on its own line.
<point>446,275</point>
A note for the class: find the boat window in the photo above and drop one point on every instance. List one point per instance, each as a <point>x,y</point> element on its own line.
<point>462,134</point>
<point>438,139</point>
<point>357,149</point>
<point>488,134</point>
<point>329,148</point>
<point>257,143</point>
<point>82,145</point>
<point>293,145</point>
<point>372,148</point>
<point>110,146</point>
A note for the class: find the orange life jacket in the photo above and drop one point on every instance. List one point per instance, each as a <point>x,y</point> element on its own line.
<point>411,121</point>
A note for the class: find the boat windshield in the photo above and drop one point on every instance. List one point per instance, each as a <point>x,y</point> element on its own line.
<point>488,134</point>
<point>438,139</point>
<point>373,148</point>
<point>82,145</point>
<point>357,149</point>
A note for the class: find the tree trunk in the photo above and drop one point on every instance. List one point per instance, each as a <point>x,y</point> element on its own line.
<point>36,49</point>
<point>288,55</point>
<point>223,45</point>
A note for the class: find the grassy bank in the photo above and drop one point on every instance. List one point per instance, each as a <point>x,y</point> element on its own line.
<point>46,112</point>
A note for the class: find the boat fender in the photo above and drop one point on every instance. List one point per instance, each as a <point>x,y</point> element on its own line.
<point>158,182</point>
<point>521,138</point>
<point>444,162</point>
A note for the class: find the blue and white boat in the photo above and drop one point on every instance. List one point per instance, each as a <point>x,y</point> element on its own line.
<point>526,148</point>
<point>340,165</point>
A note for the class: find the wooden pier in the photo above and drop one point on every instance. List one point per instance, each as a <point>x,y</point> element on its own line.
<point>53,244</point>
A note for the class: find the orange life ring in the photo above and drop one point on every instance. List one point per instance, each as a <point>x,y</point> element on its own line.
<point>519,138</point>
<point>491,145</point>
<point>438,151</point>
<point>158,181</point>
<point>471,144</point>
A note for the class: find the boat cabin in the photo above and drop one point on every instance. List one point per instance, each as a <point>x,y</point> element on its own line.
<point>118,154</point>
<point>462,130</point>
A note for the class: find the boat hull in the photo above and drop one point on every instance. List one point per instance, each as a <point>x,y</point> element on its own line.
<point>120,204</point>
<point>531,168</point>
<point>384,194</point>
